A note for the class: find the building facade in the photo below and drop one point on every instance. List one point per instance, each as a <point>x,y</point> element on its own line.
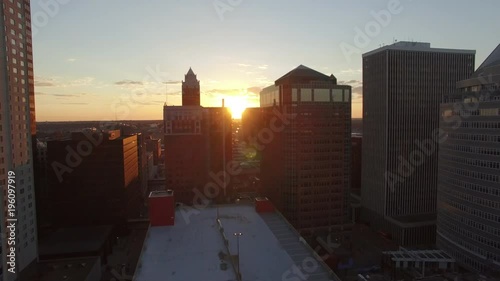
<point>93,179</point>
<point>468,221</point>
<point>403,85</point>
<point>303,132</point>
<point>198,144</point>
<point>17,132</point>
<point>190,89</point>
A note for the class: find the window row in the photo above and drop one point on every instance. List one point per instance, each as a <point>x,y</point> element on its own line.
<point>472,174</point>
<point>474,137</point>
<point>473,162</point>
<point>473,149</point>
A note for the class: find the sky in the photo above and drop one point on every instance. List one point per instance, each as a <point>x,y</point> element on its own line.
<point>124,59</point>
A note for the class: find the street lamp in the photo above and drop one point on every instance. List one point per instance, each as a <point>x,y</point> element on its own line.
<point>238,234</point>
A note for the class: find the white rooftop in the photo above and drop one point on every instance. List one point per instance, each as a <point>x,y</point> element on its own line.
<point>194,249</point>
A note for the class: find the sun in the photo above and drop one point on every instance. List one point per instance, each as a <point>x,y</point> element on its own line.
<point>236,105</point>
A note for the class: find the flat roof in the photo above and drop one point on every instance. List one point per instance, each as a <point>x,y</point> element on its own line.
<point>73,269</point>
<point>194,248</point>
<point>74,240</point>
<point>417,46</point>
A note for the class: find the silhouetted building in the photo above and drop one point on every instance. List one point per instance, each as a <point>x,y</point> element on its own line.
<point>154,146</point>
<point>17,136</point>
<point>356,141</point>
<point>303,130</point>
<point>93,179</point>
<point>468,221</point>
<point>190,89</point>
<point>403,84</point>
<point>194,154</point>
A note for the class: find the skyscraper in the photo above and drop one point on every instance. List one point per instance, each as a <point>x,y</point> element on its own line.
<point>17,127</point>
<point>198,142</point>
<point>468,220</point>
<point>304,135</point>
<point>190,89</point>
<point>403,85</point>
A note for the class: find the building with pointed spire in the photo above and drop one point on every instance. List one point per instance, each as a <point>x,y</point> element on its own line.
<point>190,89</point>
<point>198,145</point>
<point>468,198</point>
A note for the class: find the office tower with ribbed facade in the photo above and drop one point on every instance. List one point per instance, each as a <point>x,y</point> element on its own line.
<point>403,85</point>
<point>468,220</point>
<point>17,128</point>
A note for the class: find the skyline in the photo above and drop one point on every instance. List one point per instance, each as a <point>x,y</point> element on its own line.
<point>103,62</point>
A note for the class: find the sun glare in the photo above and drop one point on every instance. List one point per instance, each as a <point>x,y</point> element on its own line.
<point>236,105</point>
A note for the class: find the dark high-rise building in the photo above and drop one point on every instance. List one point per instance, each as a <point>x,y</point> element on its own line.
<point>194,147</point>
<point>190,90</point>
<point>403,85</point>
<point>468,221</point>
<point>303,130</point>
<point>93,179</point>
<point>17,137</point>
<point>356,141</point>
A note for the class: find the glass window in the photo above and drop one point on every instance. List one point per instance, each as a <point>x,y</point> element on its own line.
<point>347,95</point>
<point>294,94</point>
<point>338,95</point>
<point>322,95</point>
<point>306,94</point>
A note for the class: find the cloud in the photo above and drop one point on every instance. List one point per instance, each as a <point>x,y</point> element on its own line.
<point>352,83</point>
<point>262,66</point>
<point>254,90</point>
<point>351,71</point>
<point>172,82</point>
<point>357,90</point>
<point>75,103</point>
<point>244,65</point>
<point>71,60</point>
<point>175,93</point>
<point>129,82</point>
<point>68,95</point>
<point>44,84</point>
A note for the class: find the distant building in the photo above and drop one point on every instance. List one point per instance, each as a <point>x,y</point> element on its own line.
<point>356,150</point>
<point>198,141</point>
<point>468,222</point>
<point>154,146</point>
<point>17,135</point>
<point>251,241</point>
<point>303,132</point>
<point>190,89</point>
<point>403,84</point>
<point>93,179</point>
